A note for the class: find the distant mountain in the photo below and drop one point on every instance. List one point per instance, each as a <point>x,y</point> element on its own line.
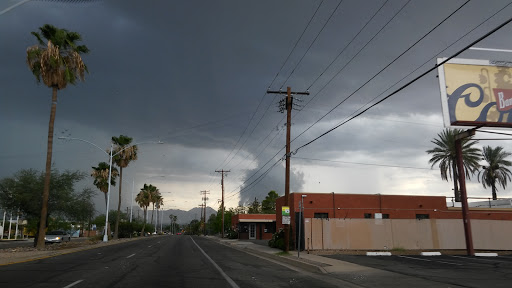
<point>184,217</point>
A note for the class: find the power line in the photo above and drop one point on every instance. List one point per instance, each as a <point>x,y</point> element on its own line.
<point>346,46</point>
<point>360,163</point>
<point>311,44</point>
<point>263,96</point>
<point>407,84</point>
<point>266,172</point>
<point>381,70</point>
<point>350,61</point>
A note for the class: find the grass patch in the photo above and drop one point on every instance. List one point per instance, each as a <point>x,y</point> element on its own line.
<point>283,253</point>
<point>398,249</point>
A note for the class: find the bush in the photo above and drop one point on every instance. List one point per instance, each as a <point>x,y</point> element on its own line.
<point>277,240</point>
<point>232,234</point>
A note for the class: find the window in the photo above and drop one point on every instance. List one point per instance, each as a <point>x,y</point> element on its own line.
<point>321,215</point>
<point>368,216</point>
<point>385,216</point>
<point>270,227</point>
<point>422,216</point>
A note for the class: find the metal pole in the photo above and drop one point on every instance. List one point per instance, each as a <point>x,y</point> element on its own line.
<point>464,197</point>
<point>300,219</point>
<point>10,222</point>
<point>105,237</point>
<point>3,226</point>
<point>17,221</point>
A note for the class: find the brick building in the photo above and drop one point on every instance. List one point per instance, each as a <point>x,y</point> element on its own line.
<point>254,226</point>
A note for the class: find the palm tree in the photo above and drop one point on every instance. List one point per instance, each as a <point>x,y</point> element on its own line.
<point>143,199</point>
<point>125,154</point>
<point>58,62</point>
<point>155,195</point>
<point>444,155</point>
<point>496,170</point>
<point>159,202</point>
<point>100,175</point>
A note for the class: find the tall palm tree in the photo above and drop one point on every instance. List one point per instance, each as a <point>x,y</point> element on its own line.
<point>100,175</point>
<point>496,170</point>
<point>159,202</point>
<point>58,62</point>
<point>126,154</point>
<point>444,155</point>
<point>144,199</point>
<point>155,195</point>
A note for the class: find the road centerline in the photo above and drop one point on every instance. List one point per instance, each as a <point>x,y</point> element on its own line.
<point>131,255</point>
<point>230,281</point>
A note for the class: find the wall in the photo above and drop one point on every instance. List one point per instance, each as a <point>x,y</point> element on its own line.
<point>381,234</point>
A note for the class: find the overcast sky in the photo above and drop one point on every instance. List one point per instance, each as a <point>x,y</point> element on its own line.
<point>194,75</point>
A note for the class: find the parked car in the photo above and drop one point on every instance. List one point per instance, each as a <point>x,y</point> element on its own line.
<point>57,236</point>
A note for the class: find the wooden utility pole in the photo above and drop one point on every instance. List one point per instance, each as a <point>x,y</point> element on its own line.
<point>289,107</point>
<point>204,209</point>
<point>222,199</point>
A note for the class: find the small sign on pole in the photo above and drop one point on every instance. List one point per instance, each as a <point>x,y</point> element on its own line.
<point>286,215</point>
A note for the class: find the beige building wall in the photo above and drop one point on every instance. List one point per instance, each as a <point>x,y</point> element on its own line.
<point>379,234</point>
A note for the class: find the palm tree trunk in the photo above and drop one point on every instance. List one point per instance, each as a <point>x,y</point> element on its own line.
<point>116,233</point>
<point>494,195</point>
<point>152,213</point>
<point>455,183</point>
<point>46,189</point>
<point>144,225</point>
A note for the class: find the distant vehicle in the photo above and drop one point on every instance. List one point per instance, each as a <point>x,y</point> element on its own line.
<point>57,236</point>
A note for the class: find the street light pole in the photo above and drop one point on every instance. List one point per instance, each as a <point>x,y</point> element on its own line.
<point>105,236</point>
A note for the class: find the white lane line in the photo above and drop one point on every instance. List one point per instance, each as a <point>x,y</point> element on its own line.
<point>131,255</point>
<point>479,259</point>
<point>414,258</point>
<point>230,281</point>
<point>74,283</point>
<point>451,263</point>
<point>149,246</point>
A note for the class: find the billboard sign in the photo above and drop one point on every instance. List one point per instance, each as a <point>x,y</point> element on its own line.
<point>476,92</point>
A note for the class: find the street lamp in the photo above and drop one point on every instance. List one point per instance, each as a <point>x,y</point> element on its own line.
<point>105,236</point>
<point>301,209</point>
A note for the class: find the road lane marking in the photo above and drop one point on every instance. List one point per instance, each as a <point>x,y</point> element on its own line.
<point>451,263</point>
<point>131,255</point>
<point>74,283</point>
<point>480,259</point>
<point>230,281</point>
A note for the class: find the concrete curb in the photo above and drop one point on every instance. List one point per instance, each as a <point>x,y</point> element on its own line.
<point>430,254</point>
<point>486,254</point>
<point>378,253</point>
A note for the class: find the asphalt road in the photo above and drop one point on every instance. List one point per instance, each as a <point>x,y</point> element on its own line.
<point>432,271</point>
<point>167,261</point>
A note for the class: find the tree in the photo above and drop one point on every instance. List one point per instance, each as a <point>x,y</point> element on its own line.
<point>268,206</point>
<point>444,155</point>
<point>144,199</point>
<point>100,175</point>
<point>22,193</point>
<point>159,202</point>
<point>254,207</point>
<point>497,169</point>
<point>125,155</point>
<point>57,62</point>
